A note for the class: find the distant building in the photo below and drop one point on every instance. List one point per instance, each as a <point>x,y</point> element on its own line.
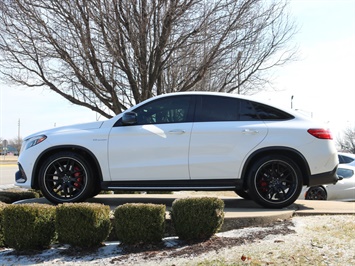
<point>9,150</point>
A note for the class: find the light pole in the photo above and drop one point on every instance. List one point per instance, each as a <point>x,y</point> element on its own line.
<point>292,102</point>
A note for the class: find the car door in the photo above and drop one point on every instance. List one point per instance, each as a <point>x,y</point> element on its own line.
<point>156,147</point>
<point>224,133</point>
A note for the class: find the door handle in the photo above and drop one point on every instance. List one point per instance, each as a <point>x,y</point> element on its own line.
<point>177,131</point>
<point>250,131</point>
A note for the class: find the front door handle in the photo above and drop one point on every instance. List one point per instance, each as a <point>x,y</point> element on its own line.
<point>177,131</point>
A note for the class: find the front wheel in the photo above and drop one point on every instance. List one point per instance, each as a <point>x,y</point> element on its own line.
<point>66,177</point>
<point>275,181</point>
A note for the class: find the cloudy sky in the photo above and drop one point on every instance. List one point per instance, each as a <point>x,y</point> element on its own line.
<point>322,81</point>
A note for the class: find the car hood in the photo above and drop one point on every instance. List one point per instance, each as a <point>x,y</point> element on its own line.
<point>76,127</point>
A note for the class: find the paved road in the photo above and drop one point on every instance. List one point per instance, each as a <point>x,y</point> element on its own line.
<point>7,173</point>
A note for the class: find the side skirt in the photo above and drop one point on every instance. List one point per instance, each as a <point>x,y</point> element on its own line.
<point>174,185</point>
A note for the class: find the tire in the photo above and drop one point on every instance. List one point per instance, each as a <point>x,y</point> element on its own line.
<point>96,190</point>
<point>66,177</point>
<point>275,181</point>
<point>243,194</point>
<point>316,193</point>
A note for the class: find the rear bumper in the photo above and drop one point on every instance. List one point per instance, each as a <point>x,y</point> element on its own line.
<point>324,178</point>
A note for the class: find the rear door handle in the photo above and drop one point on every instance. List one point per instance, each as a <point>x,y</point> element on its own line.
<point>250,131</point>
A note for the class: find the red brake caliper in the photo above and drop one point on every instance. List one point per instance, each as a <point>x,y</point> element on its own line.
<point>263,185</point>
<point>77,176</point>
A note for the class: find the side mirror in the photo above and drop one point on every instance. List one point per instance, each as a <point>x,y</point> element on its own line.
<point>129,118</point>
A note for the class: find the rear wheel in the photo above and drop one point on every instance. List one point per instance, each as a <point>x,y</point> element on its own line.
<point>275,181</point>
<point>66,177</point>
<point>316,193</point>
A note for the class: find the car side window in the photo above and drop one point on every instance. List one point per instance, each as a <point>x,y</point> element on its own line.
<point>217,108</point>
<point>344,159</point>
<point>165,110</point>
<point>247,111</point>
<point>265,112</point>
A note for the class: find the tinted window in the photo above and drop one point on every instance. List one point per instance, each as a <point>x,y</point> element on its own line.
<point>216,108</point>
<point>345,159</point>
<point>166,110</point>
<point>247,111</point>
<point>266,112</point>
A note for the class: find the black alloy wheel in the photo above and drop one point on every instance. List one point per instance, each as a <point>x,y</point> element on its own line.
<point>66,177</point>
<point>275,181</point>
<point>316,193</point>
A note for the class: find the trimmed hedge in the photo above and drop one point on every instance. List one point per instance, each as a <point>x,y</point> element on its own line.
<point>83,224</point>
<point>35,226</point>
<point>28,226</point>
<point>10,196</point>
<point>197,218</point>
<point>139,223</point>
<point>2,206</point>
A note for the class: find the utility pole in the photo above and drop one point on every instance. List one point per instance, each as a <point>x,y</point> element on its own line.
<point>18,130</point>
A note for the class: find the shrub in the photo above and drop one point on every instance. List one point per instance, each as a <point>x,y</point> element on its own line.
<point>4,199</point>
<point>28,226</point>
<point>139,223</point>
<point>109,192</point>
<point>83,224</point>
<point>2,243</point>
<point>10,196</point>
<point>197,218</point>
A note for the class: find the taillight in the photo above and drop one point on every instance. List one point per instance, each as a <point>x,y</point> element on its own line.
<point>320,133</point>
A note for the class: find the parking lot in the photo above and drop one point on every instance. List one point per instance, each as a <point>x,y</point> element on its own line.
<point>8,168</point>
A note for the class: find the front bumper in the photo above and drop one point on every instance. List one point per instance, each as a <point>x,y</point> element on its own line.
<point>324,178</point>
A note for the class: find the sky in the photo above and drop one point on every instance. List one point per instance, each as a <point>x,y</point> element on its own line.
<point>321,81</point>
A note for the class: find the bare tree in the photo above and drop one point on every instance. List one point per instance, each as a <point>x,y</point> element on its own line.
<point>347,141</point>
<point>107,55</point>
<point>16,143</point>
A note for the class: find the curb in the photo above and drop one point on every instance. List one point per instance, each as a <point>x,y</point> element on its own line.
<point>231,223</point>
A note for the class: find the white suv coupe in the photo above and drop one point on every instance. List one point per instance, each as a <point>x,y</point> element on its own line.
<point>183,141</point>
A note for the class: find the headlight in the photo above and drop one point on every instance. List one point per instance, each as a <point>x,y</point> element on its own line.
<point>34,141</point>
